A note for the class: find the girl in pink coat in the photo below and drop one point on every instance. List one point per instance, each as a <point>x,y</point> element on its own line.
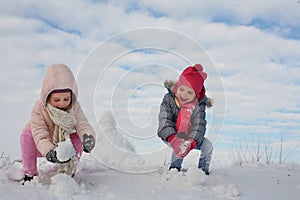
<point>58,128</point>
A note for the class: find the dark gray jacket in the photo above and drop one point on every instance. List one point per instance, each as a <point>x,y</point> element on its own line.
<point>169,112</point>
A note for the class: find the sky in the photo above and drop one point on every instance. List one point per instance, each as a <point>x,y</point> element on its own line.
<point>122,51</point>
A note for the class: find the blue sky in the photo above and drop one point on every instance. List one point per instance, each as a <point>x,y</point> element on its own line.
<point>251,47</point>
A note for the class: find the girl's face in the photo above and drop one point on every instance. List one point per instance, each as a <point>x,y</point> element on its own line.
<point>60,100</point>
<point>185,94</point>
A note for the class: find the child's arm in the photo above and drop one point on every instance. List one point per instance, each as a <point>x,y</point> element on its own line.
<point>40,130</point>
<point>82,125</point>
<point>166,126</point>
<point>84,129</point>
<point>198,121</point>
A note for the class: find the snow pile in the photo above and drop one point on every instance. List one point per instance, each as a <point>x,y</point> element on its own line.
<point>197,179</point>
<point>229,191</point>
<point>14,171</point>
<point>195,176</point>
<point>65,150</point>
<point>113,149</point>
<point>64,185</point>
<point>109,130</point>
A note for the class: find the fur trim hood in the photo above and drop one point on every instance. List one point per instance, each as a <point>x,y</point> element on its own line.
<point>170,84</point>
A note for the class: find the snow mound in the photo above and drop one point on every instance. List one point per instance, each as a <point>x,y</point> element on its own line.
<point>197,179</point>
<point>109,129</point>
<point>113,149</point>
<point>64,185</point>
<point>14,171</point>
<point>229,191</point>
<point>195,176</point>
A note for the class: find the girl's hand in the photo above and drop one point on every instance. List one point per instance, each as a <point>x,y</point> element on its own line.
<point>88,143</point>
<point>186,147</point>
<point>175,144</point>
<point>51,156</point>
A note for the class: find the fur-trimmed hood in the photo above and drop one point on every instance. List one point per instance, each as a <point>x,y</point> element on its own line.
<point>170,84</point>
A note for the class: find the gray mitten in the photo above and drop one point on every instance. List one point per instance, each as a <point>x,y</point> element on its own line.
<point>88,143</point>
<point>51,156</point>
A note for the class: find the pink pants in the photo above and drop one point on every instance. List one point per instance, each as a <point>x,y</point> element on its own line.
<point>30,153</point>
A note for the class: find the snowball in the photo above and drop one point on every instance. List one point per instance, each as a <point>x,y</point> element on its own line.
<point>184,146</point>
<point>65,150</point>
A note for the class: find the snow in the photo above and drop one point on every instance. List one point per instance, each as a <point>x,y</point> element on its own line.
<point>96,181</point>
<point>184,146</point>
<point>62,184</point>
<point>120,173</point>
<point>65,150</point>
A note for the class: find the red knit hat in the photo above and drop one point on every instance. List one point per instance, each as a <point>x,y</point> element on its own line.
<point>194,78</point>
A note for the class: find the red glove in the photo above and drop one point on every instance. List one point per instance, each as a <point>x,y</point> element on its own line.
<point>185,147</point>
<point>175,144</point>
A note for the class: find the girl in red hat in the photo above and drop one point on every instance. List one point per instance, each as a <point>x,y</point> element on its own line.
<point>182,123</point>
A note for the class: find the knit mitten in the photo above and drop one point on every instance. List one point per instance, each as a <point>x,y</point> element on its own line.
<point>88,143</point>
<point>51,156</point>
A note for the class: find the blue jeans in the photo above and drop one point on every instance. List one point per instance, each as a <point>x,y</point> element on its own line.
<point>205,157</point>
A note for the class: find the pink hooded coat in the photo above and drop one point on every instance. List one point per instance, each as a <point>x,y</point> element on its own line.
<point>58,76</point>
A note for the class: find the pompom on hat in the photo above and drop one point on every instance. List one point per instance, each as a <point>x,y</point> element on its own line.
<point>193,77</point>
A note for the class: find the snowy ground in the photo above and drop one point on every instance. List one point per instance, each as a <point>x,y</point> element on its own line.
<point>95,181</point>
<point>127,175</point>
